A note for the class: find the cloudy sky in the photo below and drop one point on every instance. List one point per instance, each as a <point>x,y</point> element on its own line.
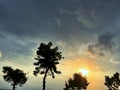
<point>86,31</point>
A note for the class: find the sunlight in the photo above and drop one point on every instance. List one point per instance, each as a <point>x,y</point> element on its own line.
<point>84,71</point>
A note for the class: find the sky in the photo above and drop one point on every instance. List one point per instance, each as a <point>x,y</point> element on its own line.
<point>87,33</point>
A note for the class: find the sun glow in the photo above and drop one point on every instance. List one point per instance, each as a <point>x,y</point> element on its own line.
<point>84,71</point>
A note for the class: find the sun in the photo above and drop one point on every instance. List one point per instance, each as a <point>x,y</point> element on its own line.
<point>84,71</point>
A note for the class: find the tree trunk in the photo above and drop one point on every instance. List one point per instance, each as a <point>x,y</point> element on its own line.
<point>14,86</point>
<point>45,79</point>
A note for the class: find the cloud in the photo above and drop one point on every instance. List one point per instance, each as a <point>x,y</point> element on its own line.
<point>16,49</point>
<point>61,43</point>
<point>105,51</point>
<point>58,21</point>
<point>0,54</point>
<point>86,18</point>
<point>103,46</point>
<point>115,62</point>
<point>34,18</point>
<point>106,40</point>
<point>91,15</point>
<point>89,20</point>
<point>31,19</point>
<point>24,24</point>
<point>95,51</point>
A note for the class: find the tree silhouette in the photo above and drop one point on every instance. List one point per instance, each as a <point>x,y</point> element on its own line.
<point>78,82</point>
<point>15,77</point>
<point>113,82</point>
<point>47,59</point>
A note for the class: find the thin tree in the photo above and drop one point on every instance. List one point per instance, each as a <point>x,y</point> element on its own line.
<point>15,77</point>
<point>113,83</point>
<point>78,82</point>
<point>46,61</point>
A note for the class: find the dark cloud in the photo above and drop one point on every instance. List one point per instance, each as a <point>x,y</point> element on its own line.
<point>104,44</point>
<point>95,50</point>
<point>26,23</point>
<point>79,17</point>
<point>72,21</point>
<point>27,17</point>
<point>14,48</point>
<point>36,18</point>
<point>106,40</point>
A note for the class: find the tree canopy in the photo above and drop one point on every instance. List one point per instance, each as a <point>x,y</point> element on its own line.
<point>46,61</point>
<point>14,76</point>
<point>113,82</point>
<point>78,81</point>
